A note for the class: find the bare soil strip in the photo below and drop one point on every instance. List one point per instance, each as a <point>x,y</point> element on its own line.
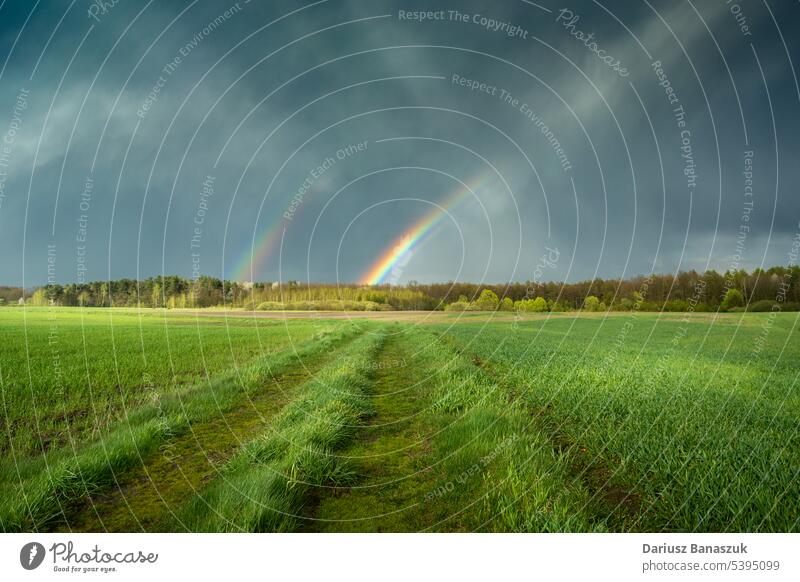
<point>450,317</point>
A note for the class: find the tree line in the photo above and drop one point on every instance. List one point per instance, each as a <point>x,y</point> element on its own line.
<point>684,291</point>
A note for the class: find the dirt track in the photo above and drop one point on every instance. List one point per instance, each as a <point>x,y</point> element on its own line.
<point>437,316</point>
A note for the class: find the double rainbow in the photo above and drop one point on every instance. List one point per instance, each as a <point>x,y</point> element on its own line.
<point>267,243</point>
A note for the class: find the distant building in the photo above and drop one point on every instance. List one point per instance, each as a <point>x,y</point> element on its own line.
<point>21,301</point>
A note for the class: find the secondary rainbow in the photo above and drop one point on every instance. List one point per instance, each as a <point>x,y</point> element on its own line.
<point>261,249</point>
<point>379,271</point>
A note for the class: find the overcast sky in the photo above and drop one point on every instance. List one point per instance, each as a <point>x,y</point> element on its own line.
<point>141,138</point>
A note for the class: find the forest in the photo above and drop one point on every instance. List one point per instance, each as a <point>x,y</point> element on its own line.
<point>759,290</point>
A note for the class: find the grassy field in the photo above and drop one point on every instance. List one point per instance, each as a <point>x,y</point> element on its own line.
<point>163,421</point>
<point>70,373</point>
<point>673,425</point>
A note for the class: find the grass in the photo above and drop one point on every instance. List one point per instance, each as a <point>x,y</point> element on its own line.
<point>265,486</point>
<point>503,473</point>
<point>695,421</point>
<point>631,422</point>
<point>69,373</point>
<point>37,491</point>
<point>450,451</point>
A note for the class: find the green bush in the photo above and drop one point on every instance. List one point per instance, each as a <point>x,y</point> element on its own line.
<point>624,304</point>
<point>488,301</point>
<point>591,303</point>
<point>537,305</point>
<point>733,298</point>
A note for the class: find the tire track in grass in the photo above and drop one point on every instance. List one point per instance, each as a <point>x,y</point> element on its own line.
<point>441,439</point>
<point>483,467</point>
<point>266,485</point>
<point>147,494</point>
<point>391,455</point>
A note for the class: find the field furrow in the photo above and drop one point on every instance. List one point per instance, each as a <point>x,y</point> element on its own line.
<point>57,491</point>
<point>265,486</point>
<point>146,497</point>
<point>612,504</point>
<point>666,436</point>
<point>632,422</point>
<point>446,451</point>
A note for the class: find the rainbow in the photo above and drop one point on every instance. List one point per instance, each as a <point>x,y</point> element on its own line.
<point>265,245</point>
<point>399,252</point>
<point>261,249</point>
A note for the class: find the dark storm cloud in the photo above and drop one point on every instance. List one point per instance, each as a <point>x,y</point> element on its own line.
<point>165,137</point>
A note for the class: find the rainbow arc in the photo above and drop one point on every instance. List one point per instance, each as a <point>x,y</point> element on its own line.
<point>403,246</point>
<point>397,253</point>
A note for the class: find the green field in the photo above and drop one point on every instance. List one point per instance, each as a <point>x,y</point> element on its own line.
<point>123,420</point>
